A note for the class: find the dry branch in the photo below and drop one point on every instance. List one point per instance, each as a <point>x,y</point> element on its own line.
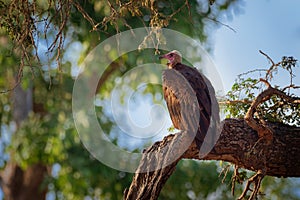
<point>260,126</point>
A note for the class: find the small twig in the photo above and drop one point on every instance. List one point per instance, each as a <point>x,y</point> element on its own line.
<point>292,86</point>
<point>273,66</point>
<point>58,36</point>
<point>234,102</point>
<point>256,180</point>
<point>251,71</point>
<point>224,171</point>
<point>235,178</point>
<point>189,9</point>
<point>169,17</point>
<point>12,88</point>
<point>268,57</point>
<point>85,15</point>
<point>219,22</point>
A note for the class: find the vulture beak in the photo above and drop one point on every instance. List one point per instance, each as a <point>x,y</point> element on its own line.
<point>162,56</point>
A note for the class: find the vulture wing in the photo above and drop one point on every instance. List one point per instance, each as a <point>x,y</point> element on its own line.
<point>188,100</point>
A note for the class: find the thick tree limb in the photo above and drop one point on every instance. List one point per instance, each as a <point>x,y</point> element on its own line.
<point>237,138</point>
<point>234,145</point>
<point>158,163</point>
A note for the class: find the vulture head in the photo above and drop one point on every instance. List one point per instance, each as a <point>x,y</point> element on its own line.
<point>174,57</point>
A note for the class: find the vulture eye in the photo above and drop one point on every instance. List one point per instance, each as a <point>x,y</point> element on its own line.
<point>171,55</point>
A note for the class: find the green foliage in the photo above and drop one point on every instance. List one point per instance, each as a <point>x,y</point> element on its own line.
<point>80,175</point>
<point>205,180</point>
<point>193,180</point>
<point>15,18</point>
<point>279,188</point>
<point>242,92</point>
<point>35,142</point>
<point>171,129</point>
<point>274,109</point>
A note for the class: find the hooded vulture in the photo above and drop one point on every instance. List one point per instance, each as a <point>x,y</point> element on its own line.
<point>189,96</point>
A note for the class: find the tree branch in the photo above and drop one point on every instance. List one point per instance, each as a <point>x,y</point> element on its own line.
<point>234,145</point>
<point>262,129</point>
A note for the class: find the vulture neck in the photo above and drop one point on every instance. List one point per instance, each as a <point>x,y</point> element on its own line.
<point>173,65</point>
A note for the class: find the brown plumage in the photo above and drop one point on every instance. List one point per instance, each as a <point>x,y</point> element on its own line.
<point>187,93</point>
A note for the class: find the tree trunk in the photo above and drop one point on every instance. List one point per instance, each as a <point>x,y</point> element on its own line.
<point>238,144</point>
<point>16,183</point>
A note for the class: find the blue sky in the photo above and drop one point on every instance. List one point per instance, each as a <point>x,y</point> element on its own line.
<point>270,26</point>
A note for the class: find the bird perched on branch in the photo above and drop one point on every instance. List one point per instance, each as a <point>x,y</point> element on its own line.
<point>189,96</point>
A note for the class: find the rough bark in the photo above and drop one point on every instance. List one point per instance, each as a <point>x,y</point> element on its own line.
<point>238,144</point>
